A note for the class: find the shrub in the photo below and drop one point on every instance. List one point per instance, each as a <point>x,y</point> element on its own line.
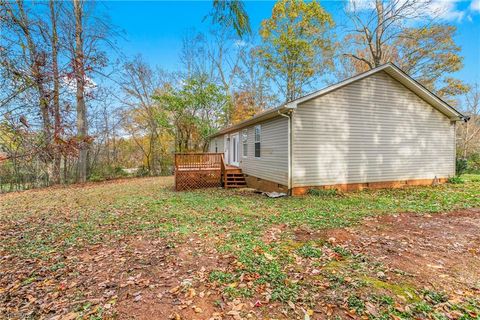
<point>461,166</point>
<point>473,163</point>
<point>455,180</point>
<point>95,177</point>
<point>142,172</point>
<point>106,172</point>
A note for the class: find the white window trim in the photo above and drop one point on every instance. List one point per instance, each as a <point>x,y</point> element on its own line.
<point>259,126</point>
<point>244,143</point>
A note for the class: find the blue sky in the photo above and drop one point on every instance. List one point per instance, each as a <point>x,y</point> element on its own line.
<point>155,29</point>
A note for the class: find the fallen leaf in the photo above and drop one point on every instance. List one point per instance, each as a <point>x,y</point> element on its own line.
<point>268,256</point>
<point>291,305</point>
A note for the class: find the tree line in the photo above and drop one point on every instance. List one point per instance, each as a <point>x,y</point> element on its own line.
<point>74,108</point>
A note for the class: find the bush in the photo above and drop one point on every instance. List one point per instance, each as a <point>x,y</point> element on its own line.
<point>461,166</point>
<point>95,178</point>
<point>142,172</point>
<point>455,180</point>
<point>473,163</point>
<point>102,173</point>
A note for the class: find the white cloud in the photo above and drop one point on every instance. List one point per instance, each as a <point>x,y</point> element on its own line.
<point>446,10</point>
<point>443,9</point>
<point>475,5</point>
<point>71,84</point>
<point>360,5</point>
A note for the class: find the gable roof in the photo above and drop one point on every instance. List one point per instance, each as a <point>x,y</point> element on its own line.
<point>391,69</point>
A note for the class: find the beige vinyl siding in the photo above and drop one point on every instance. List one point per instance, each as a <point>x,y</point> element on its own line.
<point>220,144</point>
<point>273,162</point>
<point>371,130</point>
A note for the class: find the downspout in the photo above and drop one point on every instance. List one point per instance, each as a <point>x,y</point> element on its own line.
<point>290,151</point>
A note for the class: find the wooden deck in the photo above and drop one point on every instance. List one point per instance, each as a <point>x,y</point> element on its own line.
<point>205,170</point>
<point>227,167</point>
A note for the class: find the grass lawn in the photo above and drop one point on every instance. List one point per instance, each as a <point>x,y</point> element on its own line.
<point>137,249</point>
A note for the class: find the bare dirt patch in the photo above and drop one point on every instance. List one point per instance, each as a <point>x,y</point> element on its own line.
<point>134,279</point>
<point>440,250</point>
<point>176,287</point>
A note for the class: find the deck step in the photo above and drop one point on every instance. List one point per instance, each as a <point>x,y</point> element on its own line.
<point>234,171</point>
<point>236,185</point>
<point>235,179</point>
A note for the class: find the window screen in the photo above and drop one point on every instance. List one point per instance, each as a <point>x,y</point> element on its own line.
<point>245,142</point>
<point>258,138</point>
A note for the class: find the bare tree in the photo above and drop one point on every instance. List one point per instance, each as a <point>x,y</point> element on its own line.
<point>408,33</point>
<point>469,131</point>
<point>253,78</point>
<point>33,60</point>
<point>82,129</point>
<point>56,90</point>
<point>229,62</point>
<point>376,23</point>
<point>51,59</point>
<point>139,83</point>
<point>225,52</point>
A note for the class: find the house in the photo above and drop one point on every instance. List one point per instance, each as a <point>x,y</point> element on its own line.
<point>378,129</point>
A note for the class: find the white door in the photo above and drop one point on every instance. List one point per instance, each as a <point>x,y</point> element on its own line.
<point>234,152</point>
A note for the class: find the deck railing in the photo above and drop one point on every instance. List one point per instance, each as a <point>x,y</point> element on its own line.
<point>223,172</point>
<point>198,161</point>
<point>198,170</point>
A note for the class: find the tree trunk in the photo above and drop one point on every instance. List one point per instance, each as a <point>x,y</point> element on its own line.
<point>36,60</point>
<point>56,96</point>
<point>82,132</point>
<point>377,56</point>
<point>153,147</point>
<point>65,169</point>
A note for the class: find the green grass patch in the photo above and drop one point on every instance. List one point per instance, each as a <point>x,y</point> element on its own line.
<point>221,277</point>
<point>309,251</point>
<point>456,180</point>
<point>404,290</point>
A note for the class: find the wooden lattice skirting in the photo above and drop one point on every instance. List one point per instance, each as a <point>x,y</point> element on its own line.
<point>197,179</point>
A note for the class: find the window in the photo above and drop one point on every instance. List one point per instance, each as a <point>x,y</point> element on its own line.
<point>245,143</point>
<point>258,138</point>
<point>216,146</point>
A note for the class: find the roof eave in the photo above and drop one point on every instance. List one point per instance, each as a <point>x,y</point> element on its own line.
<point>268,114</point>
